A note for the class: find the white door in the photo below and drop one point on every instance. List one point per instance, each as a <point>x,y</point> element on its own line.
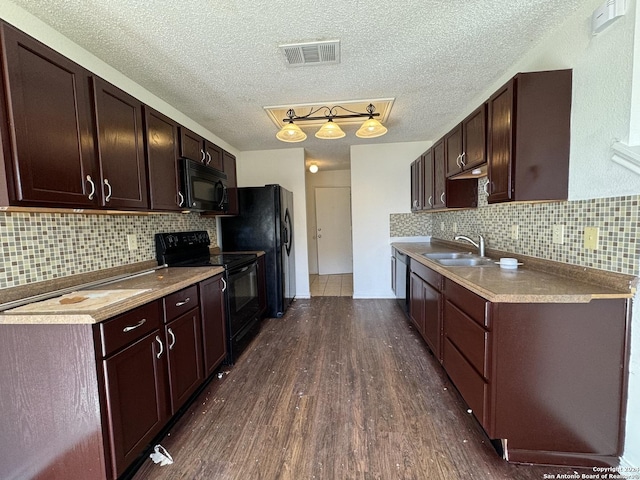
<point>333,223</point>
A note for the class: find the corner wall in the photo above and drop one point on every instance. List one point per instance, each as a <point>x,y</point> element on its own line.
<point>284,167</point>
<point>380,185</point>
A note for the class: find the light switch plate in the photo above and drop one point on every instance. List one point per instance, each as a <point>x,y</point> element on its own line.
<point>591,238</point>
<point>132,241</point>
<point>558,234</point>
<point>515,232</point>
<point>455,227</point>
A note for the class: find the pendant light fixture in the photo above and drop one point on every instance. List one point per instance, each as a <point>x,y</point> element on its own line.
<point>330,130</point>
<point>291,133</point>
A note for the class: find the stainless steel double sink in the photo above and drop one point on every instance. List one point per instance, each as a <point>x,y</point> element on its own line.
<point>459,259</point>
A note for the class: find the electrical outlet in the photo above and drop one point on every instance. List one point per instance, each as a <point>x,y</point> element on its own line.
<point>132,241</point>
<point>558,234</point>
<point>455,227</point>
<point>591,238</point>
<point>515,231</point>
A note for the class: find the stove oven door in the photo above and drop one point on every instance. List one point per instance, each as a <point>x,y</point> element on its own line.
<point>243,300</point>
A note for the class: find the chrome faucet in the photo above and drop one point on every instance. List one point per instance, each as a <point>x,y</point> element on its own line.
<point>479,245</point>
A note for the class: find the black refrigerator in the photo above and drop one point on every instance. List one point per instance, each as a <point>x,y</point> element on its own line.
<point>265,223</point>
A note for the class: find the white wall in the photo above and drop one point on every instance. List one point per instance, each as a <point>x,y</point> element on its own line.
<point>380,186</point>
<point>31,25</point>
<point>284,167</point>
<point>330,178</point>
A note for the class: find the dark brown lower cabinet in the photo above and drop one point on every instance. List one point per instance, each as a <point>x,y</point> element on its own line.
<point>425,306</point>
<point>184,355</point>
<point>212,309</point>
<point>546,380</point>
<point>136,399</point>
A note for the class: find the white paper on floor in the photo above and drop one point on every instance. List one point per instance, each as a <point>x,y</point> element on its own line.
<point>161,457</point>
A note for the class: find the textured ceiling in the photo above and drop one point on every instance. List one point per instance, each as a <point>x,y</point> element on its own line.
<point>219,62</point>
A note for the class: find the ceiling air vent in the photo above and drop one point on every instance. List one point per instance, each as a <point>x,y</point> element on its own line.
<point>311,53</point>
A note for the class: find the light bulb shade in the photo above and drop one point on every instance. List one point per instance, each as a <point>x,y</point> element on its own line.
<point>372,128</point>
<point>330,131</point>
<point>313,168</point>
<point>291,133</point>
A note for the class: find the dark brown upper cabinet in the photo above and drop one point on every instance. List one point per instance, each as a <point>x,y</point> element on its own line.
<point>528,138</point>
<point>466,143</point>
<point>229,167</point>
<point>417,184</point>
<point>162,148</point>
<point>428,180</point>
<point>196,148</point>
<point>120,147</point>
<point>439,180</point>
<point>47,139</point>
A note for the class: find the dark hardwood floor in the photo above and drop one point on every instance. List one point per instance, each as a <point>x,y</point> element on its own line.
<point>336,389</point>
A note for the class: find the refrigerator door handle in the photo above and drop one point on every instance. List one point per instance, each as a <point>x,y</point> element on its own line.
<point>287,231</point>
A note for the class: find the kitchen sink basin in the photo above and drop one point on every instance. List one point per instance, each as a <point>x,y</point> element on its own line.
<point>459,259</point>
<point>447,255</point>
<point>471,261</point>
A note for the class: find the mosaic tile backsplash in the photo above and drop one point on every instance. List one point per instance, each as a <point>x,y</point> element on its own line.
<point>618,219</point>
<point>45,246</point>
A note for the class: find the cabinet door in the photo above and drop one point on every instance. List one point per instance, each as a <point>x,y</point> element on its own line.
<point>474,139</point>
<point>439,176</point>
<point>184,350</point>
<point>162,160</point>
<point>229,167</point>
<point>213,312</point>
<point>416,304</point>
<point>191,145</point>
<point>213,155</point>
<point>120,148</point>
<point>453,148</point>
<point>499,144</point>
<point>432,331</point>
<point>49,117</point>
<point>417,184</point>
<point>136,398</point>
<point>428,180</point>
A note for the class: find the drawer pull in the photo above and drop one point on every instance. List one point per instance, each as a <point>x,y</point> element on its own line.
<point>133,327</point>
<point>173,339</point>
<point>224,284</point>
<point>159,354</point>
<point>184,302</point>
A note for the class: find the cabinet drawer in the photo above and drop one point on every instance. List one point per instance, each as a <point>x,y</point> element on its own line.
<point>124,329</point>
<point>470,338</point>
<point>432,278</point>
<point>472,387</point>
<point>180,302</point>
<point>470,303</point>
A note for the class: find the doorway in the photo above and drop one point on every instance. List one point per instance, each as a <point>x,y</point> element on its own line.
<point>333,230</point>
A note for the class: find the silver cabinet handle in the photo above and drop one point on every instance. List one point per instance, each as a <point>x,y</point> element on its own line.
<point>430,200</point>
<point>442,198</point>
<point>108,197</point>
<point>184,302</point>
<point>224,284</point>
<point>203,156</point>
<point>462,162</point>
<point>93,187</point>
<point>180,199</point>
<point>486,188</point>
<point>159,354</point>
<point>133,327</point>
<point>173,339</point>
<point>208,158</point>
<point>415,204</point>
<point>458,161</point>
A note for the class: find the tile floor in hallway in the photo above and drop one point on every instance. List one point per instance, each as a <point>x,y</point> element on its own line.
<point>340,285</point>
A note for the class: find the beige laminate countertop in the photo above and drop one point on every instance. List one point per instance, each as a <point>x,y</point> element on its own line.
<point>527,284</point>
<point>156,284</point>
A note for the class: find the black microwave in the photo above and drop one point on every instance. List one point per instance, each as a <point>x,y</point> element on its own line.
<point>205,188</point>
